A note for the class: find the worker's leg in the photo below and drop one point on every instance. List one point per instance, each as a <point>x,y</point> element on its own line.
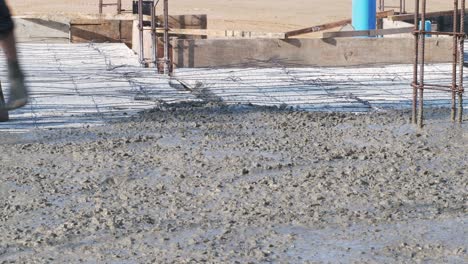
<point>18,93</point>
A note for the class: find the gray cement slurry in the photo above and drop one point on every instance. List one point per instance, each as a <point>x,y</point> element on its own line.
<point>213,182</point>
<point>220,184</point>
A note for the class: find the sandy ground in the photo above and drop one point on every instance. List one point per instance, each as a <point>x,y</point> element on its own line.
<point>217,184</point>
<point>254,15</point>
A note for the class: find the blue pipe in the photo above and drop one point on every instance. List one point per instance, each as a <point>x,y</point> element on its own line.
<point>364,14</point>
<point>427,27</point>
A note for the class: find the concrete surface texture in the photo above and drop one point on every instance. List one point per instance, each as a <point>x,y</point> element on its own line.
<point>208,183</point>
<point>250,15</point>
<point>35,30</point>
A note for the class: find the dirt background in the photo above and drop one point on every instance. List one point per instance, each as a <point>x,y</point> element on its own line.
<point>253,15</point>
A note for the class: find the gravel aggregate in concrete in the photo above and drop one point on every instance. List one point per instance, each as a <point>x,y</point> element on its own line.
<point>237,184</point>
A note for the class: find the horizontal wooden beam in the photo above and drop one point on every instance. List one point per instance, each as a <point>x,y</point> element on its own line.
<point>323,27</point>
<point>317,28</point>
<point>367,33</point>
<point>407,17</point>
<point>220,33</point>
<point>313,52</point>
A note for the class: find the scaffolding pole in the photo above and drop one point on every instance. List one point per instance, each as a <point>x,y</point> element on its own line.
<point>141,35</point>
<point>118,4</point>
<point>145,62</point>
<point>166,38</point>
<point>154,37</point>
<point>155,60</point>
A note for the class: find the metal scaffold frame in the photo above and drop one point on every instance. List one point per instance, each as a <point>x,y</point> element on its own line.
<point>419,85</point>
<point>155,61</point>
<point>118,4</point>
<point>402,7</point>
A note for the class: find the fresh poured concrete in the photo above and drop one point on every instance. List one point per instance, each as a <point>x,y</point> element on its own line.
<point>212,182</point>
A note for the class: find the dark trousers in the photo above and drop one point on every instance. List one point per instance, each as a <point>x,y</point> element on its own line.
<point>6,23</point>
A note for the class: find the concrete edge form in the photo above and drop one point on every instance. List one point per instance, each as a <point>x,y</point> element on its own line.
<point>208,53</point>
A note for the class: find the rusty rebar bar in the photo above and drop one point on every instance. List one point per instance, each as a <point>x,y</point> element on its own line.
<point>166,37</point>
<point>461,61</point>
<point>154,37</point>
<point>418,85</point>
<point>422,38</point>
<point>454,61</point>
<point>100,6</point>
<point>438,33</point>
<point>416,62</point>
<point>381,5</point>
<point>141,28</point>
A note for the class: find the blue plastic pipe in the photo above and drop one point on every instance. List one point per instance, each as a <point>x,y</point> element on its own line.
<point>364,14</point>
<point>427,27</point>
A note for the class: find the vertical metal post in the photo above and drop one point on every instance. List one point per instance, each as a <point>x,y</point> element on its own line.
<point>404,7</point>
<point>166,37</point>
<point>119,7</point>
<point>154,37</point>
<point>461,61</point>
<point>458,60</point>
<point>100,6</point>
<point>422,37</point>
<point>416,62</point>
<point>379,20</point>
<point>141,28</point>
<point>401,6</point>
<point>453,111</point>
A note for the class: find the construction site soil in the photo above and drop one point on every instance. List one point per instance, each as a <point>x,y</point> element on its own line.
<point>253,15</point>
<point>225,184</point>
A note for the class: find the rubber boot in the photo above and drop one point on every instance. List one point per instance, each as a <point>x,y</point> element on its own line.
<point>18,91</point>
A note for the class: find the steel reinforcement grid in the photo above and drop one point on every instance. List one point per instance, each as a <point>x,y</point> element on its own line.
<point>419,85</point>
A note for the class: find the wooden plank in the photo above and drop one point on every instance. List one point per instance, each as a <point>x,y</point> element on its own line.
<point>317,28</point>
<point>238,53</point>
<point>100,31</point>
<point>407,17</point>
<point>221,33</point>
<point>367,33</point>
<point>175,21</point>
<point>187,21</point>
<point>323,27</point>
